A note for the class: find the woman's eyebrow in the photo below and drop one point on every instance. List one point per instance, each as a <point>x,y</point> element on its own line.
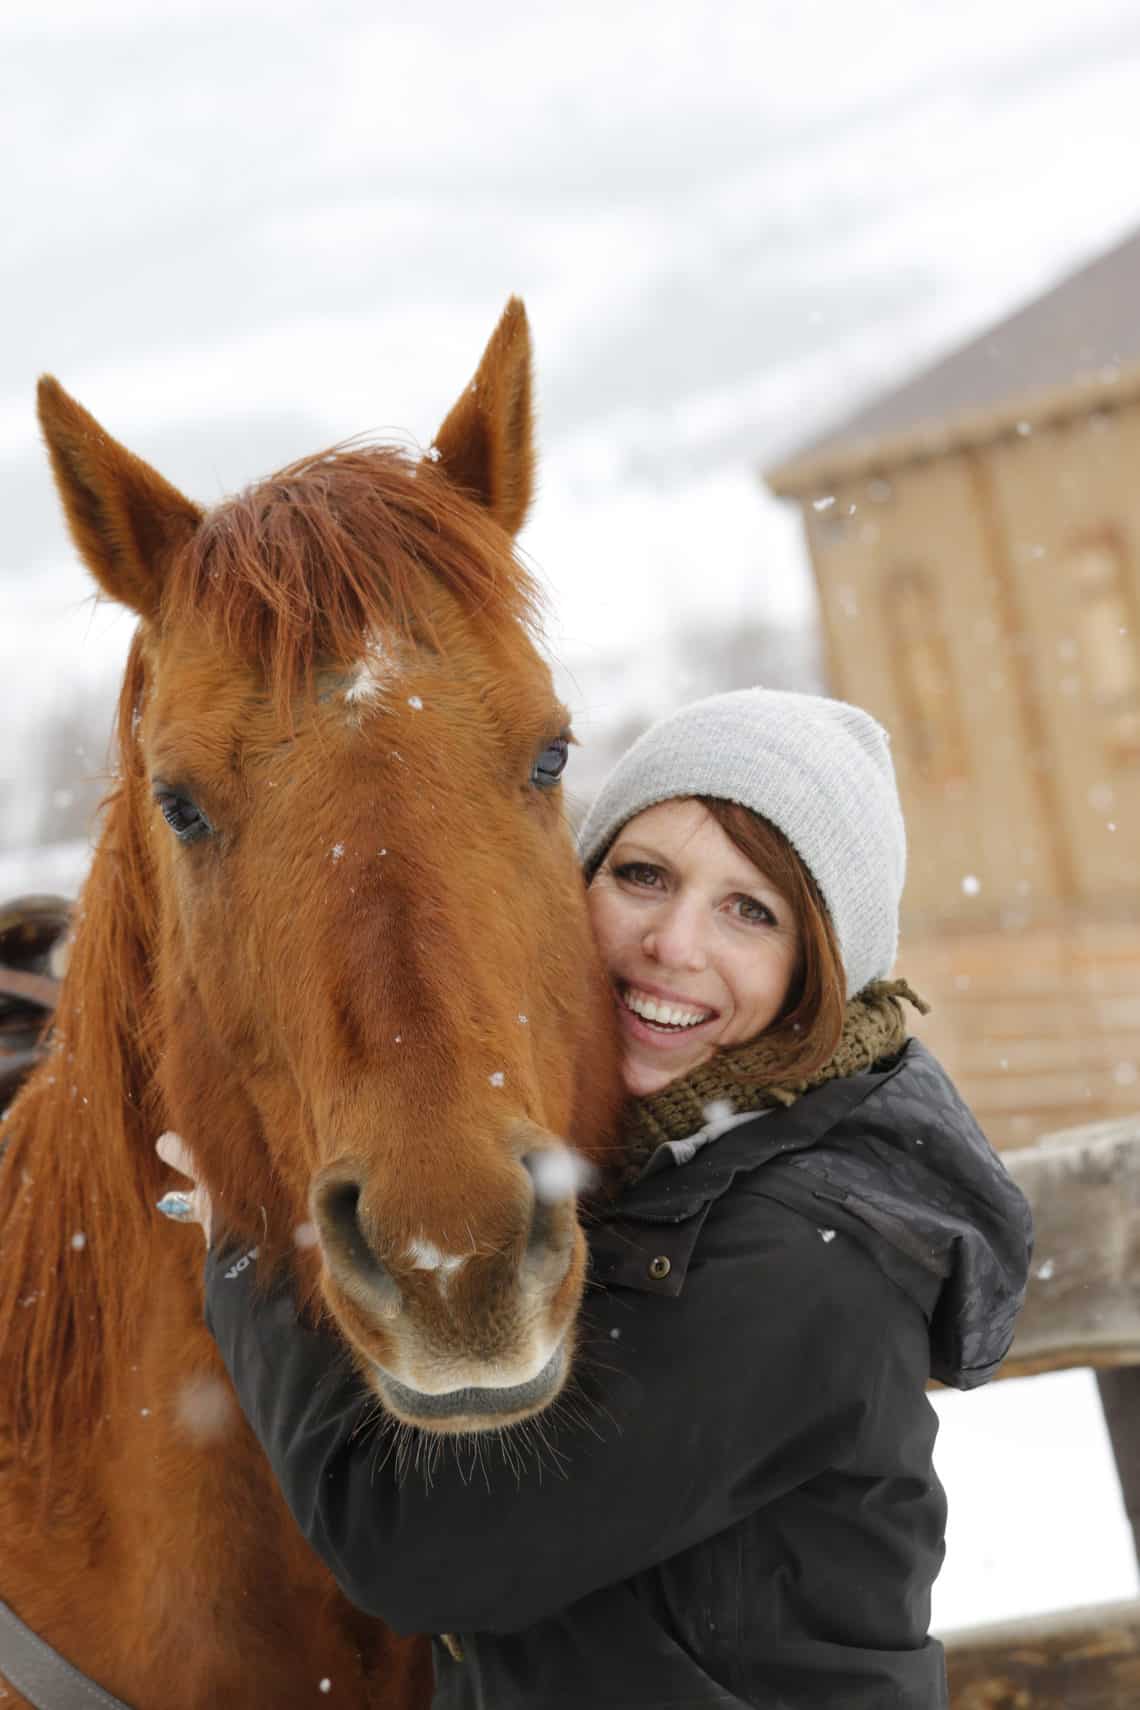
<point>638,852</point>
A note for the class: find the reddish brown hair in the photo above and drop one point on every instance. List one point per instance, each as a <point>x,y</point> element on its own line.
<point>811,1020</point>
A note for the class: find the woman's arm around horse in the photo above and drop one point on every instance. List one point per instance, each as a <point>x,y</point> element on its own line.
<point>787,1356</point>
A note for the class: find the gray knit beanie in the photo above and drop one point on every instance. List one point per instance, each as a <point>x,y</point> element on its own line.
<point>819,770</point>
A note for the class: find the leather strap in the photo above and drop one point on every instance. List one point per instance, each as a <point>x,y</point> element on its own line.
<point>42,1675</point>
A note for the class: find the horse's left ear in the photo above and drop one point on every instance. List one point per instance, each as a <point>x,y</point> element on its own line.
<point>124,518</point>
<point>486,445</point>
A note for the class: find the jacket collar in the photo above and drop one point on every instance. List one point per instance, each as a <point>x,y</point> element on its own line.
<point>669,1193</point>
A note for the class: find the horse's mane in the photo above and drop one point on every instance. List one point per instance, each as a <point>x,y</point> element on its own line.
<point>313,562</point>
<point>77,1178</point>
<point>306,566</point>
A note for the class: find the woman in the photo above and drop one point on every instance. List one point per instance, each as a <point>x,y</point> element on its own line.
<point>811,1224</point>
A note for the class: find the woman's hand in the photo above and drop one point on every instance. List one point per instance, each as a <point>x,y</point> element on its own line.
<point>192,1207</point>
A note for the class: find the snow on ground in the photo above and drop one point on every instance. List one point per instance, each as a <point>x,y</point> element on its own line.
<point>1036,1517</point>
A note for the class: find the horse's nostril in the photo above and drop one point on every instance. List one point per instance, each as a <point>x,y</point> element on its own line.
<point>348,1253</point>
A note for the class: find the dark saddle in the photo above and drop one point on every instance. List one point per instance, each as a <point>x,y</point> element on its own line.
<point>33,956</point>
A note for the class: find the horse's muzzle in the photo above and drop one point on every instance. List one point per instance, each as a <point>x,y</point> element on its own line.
<point>477,1406</point>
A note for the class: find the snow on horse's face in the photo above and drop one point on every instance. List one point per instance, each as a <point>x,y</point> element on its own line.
<point>379,1015</point>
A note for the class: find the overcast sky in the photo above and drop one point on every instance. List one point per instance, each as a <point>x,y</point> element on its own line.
<point>238,231</point>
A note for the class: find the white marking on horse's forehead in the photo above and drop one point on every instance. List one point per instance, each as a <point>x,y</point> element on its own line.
<point>376,671</point>
<point>426,1256</point>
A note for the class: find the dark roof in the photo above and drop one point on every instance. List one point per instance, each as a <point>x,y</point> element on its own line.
<point>1082,335</point>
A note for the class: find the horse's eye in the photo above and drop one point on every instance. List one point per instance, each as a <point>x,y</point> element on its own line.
<point>551,763</point>
<point>187,822</point>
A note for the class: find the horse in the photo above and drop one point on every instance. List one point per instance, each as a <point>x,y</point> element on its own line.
<point>334,936</point>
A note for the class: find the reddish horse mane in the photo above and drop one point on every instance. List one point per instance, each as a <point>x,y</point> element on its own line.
<point>304,567</point>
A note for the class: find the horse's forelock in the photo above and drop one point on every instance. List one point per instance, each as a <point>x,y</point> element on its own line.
<point>315,562</point>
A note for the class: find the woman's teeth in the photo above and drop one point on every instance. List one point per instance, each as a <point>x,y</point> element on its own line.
<point>664,1014</point>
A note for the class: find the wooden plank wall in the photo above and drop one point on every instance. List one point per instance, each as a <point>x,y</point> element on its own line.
<point>1038,1024</point>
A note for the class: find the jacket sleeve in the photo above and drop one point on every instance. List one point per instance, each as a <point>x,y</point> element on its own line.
<point>686,1414</point>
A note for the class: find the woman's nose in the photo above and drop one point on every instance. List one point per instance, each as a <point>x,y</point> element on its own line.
<point>675,940</point>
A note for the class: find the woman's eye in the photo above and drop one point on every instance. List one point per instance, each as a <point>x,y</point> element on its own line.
<point>637,873</point>
<point>187,822</point>
<point>551,763</point>
<point>754,912</point>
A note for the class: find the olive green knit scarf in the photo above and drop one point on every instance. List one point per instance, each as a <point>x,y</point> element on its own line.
<point>746,1077</point>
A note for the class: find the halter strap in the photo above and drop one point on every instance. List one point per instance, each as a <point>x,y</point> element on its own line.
<point>45,1678</point>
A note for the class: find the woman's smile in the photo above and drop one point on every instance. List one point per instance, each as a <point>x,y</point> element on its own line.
<point>665,1013</point>
<point>700,946</point>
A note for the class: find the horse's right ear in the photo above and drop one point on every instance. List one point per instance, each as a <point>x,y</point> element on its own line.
<point>124,518</point>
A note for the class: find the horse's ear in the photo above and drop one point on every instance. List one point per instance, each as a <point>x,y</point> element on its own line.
<point>124,518</point>
<point>486,445</point>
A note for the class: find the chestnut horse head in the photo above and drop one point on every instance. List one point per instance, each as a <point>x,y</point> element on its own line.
<point>377,1016</point>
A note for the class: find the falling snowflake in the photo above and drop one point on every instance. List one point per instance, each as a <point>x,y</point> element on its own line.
<point>558,1173</point>
<point>497,1078</point>
<point>79,1240</point>
<point>415,703</point>
<point>827,1235</point>
<point>337,851</point>
<point>971,884</point>
<point>205,1409</point>
<point>305,1234</point>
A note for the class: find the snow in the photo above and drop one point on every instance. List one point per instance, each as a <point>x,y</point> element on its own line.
<point>205,1408</point>
<point>558,1172</point>
<point>1036,1519</point>
<point>58,869</point>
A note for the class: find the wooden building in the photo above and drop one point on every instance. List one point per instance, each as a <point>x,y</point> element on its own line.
<point>975,536</point>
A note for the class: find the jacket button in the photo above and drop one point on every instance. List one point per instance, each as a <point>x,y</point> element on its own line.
<point>660,1267</point>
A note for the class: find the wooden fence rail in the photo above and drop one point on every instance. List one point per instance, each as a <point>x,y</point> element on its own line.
<point>1083,1305</point>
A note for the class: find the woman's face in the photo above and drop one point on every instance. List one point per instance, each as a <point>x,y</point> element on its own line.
<point>699,944</point>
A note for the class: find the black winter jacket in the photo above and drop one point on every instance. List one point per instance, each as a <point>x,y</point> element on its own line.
<point>744,1510</point>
